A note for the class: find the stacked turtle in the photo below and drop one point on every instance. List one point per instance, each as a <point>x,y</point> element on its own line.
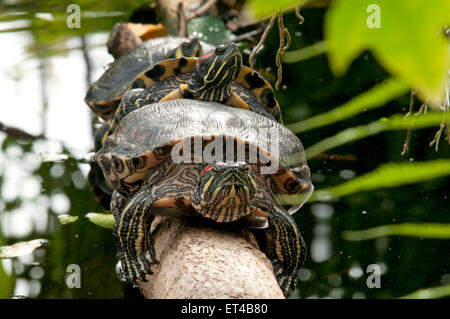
<point>163,152</point>
<point>105,94</point>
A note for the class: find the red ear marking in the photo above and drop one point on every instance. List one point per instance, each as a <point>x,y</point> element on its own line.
<point>207,169</point>
<point>205,56</point>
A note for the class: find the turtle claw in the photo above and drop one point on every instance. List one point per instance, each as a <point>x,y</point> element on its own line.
<point>285,280</point>
<point>145,260</point>
<point>137,267</point>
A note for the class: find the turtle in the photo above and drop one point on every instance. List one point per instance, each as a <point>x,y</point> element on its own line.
<point>217,76</point>
<point>171,155</point>
<point>105,94</point>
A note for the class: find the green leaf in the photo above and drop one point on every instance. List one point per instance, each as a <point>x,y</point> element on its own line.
<point>264,8</point>
<point>387,175</point>
<point>305,53</point>
<point>409,42</point>
<point>102,220</point>
<point>21,248</point>
<point>395,122</point>
<point>425,230</point>
<point>6,279</point>
<point>210,30</point>
<point>377,96</point>
<point>53,157</point>
<point>6,283</point>
<point>67,219</point>
<point>430,293</point>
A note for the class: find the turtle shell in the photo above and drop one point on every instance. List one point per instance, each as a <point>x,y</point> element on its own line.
<point>105,94</point>
<point>147,136</point>
<point>251,86</point>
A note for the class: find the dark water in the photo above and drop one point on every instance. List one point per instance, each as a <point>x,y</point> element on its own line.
<point>46,68</point>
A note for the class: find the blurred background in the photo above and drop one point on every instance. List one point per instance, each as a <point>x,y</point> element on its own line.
<point>45,71</point>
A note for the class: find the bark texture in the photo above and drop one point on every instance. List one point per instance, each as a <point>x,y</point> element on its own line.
<point>198,261</point>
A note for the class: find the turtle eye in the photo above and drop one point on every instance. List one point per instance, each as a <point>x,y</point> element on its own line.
<point>137,162</point>
<point>220,49</point>
<point>292,185</point>
<point>206,169</point>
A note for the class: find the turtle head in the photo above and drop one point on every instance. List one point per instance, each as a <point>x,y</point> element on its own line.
<point>214,72</point>
<point>124,173</point>
<point>188,49</point>
<point>225,191</point>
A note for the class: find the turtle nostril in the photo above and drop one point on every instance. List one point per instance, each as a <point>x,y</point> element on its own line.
<point>220,49</point>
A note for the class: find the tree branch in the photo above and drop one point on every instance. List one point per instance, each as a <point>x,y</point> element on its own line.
<point>199,261</point>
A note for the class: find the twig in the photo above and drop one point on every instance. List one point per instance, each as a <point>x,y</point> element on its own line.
<point>444,124</point>
<point>255,51</point>
<point>297,13</point>
<point>408,132</point>
<point>284,35</point>
<point>182,20</point>
<point>337,157</point>
<point>447,133</point>
<point>200,11</point>
<point>248,36</point>
<point>437,136</point>
<point>422,109</point>
<point>18,133</point>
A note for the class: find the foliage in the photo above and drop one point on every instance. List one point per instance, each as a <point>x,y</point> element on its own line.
<point>417,51</point>
<point>311,51</point>
<point>21,248</point>
<point>47,21</point>
<point>375,97</point>
<point>6,281</point>
<point>394,122</point>
<point>388,175</point>
<point>425,230</point>
<point>330,113</point>
<point>430,293</point>
<point>210,30</point>
<point>353,26</point>
<point>67,219</point>
<point>102,220</point>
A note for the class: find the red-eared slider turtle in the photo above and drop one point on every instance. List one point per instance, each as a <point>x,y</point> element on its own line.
<point>217,76</point>
<point>223,163</point>
<point>105,94</point>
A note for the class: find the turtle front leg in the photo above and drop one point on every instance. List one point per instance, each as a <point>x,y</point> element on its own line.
<point>236,101</point>
<point>132,233</point>
<point>118,203</point>
<point>176,94</point>
<point>286,249</point>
